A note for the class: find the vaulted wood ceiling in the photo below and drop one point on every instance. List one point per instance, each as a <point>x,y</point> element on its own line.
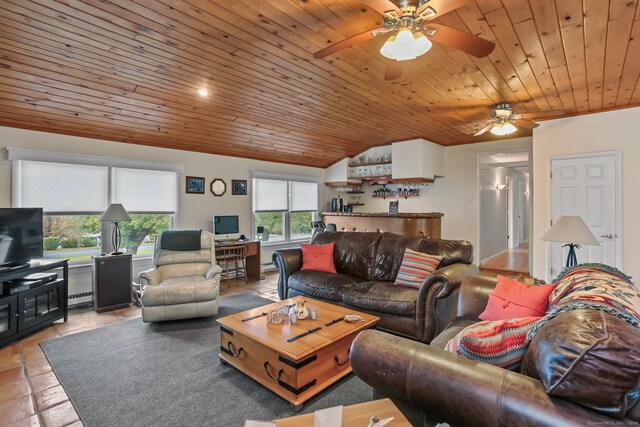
<point>126,70</point>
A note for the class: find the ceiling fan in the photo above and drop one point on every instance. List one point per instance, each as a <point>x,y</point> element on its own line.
<point>505,120</point>
<point>413,33</point>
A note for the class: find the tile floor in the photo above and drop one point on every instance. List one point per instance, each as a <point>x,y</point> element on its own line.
<point>30,394</point>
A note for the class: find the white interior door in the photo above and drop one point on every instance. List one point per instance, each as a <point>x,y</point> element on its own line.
<point>586,186</point>
<point>519,209</point>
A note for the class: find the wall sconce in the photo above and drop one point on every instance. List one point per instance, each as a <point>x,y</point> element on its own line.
<point>500,186</point>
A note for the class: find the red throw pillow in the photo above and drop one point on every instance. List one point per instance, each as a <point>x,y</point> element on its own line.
<point>318,257</point>
<point>511,299</point>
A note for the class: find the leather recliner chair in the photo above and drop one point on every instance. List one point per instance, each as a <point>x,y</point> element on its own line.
<point>184,283</point>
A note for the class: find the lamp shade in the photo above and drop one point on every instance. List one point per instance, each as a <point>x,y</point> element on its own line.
<point>115,212</point>
<point>570,229</point>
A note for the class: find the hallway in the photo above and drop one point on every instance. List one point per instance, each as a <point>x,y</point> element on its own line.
<point>512,262</point>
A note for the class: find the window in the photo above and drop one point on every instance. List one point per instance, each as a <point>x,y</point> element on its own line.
<point>73,197</point>
<point>284,206</point>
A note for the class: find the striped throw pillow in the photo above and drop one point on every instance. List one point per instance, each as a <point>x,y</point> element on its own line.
<point>500,343</point>
<point>416,266</point>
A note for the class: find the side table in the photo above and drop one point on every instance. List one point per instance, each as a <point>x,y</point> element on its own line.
<point>354,415</point>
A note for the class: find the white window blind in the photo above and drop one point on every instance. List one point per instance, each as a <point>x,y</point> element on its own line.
<point>60,188</point>
<point>304,196</point>
<point>142,190</point>
<point>270,195</point>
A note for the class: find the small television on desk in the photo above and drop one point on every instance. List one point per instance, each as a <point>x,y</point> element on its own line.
<point>20,237</point>
<point>226,227</point>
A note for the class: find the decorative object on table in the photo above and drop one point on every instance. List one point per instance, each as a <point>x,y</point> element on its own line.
<point>239,187</point>
<point>293,318</point>
<point>275,317</point>
<point>218,187</point>
<point>574,232</point>
<point>302,312</point>
<point>194,185</point>
<point>393,207</point>
<point>376,422</point>
<point>352,318</point>
<point>115,213</point>
<point>313,313</point>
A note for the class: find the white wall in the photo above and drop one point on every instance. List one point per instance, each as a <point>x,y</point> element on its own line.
<point>195,210</point>
<point>455,195</point>
<point>609,131</point>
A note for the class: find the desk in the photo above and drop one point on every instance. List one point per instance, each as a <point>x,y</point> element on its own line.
<point>253,256</point>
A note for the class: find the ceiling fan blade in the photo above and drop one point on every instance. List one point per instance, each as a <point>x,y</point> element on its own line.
<point>394,69</point>
<point>526,124</point>
<point>484,129</point>
<point>434,8</point>
<point>541,114</point>
<point>358,38</point>
<point>382,6</point>
<point>465,42</point>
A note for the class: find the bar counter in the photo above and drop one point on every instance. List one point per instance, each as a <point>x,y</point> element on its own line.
<point>425,224</point>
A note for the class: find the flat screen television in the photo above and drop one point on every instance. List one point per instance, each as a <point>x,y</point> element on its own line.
<point>225,225</point>
<point>20,235</point>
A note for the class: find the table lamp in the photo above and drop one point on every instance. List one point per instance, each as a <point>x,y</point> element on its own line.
<point>574,232</point>
<point>115,213</point>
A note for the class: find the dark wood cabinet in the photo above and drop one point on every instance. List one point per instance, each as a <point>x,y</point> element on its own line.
<point>33,309</point>
<point>111,282</point>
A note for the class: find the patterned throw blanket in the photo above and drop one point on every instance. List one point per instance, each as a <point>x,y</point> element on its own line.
<point>593,286</point>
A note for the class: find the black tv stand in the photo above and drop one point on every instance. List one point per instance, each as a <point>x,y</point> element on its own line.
<point>13,267</point>
<point>33,309</point>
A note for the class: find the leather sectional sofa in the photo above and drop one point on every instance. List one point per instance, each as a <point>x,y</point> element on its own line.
<point>367,264</point>
<point>431,385</point>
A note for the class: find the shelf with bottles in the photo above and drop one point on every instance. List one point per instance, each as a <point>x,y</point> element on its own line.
<point>372,163</point>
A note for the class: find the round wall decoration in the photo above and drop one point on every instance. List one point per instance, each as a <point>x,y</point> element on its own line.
<point>218,187</point>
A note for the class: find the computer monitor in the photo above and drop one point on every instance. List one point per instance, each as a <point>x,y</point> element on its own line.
<point>226,226</point>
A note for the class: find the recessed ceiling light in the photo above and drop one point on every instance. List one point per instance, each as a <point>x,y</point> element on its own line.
<point>203,91</point>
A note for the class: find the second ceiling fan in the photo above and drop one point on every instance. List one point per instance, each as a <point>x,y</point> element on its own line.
<point>413,32</point>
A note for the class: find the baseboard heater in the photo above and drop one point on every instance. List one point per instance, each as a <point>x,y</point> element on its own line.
<point>81,295</point>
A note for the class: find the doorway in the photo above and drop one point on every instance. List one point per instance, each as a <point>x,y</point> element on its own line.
<point>588,186</point>
<point>505,211</point>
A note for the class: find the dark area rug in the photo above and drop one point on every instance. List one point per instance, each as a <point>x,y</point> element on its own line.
<point>169,374</point>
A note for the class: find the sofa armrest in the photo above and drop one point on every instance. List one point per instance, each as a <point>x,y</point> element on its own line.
<point>438,298</point>
<point>450,388</point>
<point>150,277</point>
<point>288,261</point>
<point>212,272</point>
<point>474,295</point>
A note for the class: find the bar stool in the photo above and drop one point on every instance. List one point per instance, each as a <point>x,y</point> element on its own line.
<point>236,255</point>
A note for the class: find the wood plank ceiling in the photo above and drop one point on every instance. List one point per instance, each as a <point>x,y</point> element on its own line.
<point>126,70</point>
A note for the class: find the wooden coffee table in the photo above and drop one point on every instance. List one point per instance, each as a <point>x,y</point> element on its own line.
<point>292,366</point>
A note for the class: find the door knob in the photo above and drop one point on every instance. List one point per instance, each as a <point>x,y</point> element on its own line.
<point>608,236</point>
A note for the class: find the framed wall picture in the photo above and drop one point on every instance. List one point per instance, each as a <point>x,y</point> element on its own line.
<point>194,185</point>
<point>239,187</point>
<point>393,207</point>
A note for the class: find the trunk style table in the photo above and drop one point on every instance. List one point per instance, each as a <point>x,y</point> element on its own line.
<point>294,361</point>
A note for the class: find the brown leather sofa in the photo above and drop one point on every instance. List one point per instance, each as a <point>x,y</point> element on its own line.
<point>367,264</point>
<point>431,385</point>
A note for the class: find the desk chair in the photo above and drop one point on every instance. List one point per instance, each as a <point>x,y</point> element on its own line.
<point>235,255</point>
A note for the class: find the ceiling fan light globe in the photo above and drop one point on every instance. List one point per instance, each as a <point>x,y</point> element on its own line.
<point>405,45</point>
<point>509,128</point>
